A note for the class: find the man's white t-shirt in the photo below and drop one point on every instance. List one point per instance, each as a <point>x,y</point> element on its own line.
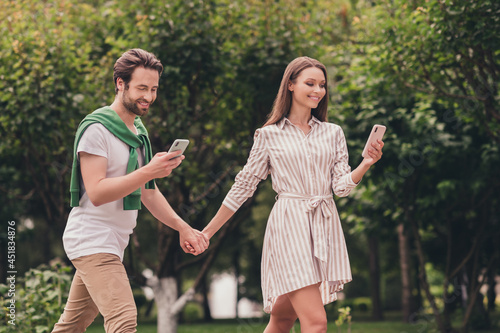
<point>107,228</point>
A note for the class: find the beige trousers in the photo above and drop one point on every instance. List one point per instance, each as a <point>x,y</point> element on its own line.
<point>100,285</point>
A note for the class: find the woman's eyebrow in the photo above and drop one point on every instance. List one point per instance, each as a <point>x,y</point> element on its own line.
<point>315,79</point>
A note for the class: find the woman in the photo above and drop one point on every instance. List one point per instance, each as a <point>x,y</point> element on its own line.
<point>304,258</point>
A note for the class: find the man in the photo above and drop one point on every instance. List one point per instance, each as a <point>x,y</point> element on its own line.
<point>113,172</point>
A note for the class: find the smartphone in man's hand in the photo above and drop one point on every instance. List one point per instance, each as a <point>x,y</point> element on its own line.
<point>179,145</point>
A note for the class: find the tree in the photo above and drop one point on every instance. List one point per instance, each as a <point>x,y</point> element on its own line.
<point>49,72</point>
<point>449,50</point>
<point>223,62</point>
<point>441,50</point>
<point>422,69</point>
<point>397,69</point>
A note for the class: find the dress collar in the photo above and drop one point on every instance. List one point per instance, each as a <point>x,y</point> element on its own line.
<point>281,123</point>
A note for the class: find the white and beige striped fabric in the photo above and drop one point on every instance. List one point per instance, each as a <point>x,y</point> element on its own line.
<point>304,243</point>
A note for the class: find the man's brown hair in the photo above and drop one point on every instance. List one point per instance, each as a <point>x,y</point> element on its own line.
<point>130,60</point>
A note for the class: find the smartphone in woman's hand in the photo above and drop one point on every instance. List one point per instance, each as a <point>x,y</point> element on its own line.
<point>377,133</point>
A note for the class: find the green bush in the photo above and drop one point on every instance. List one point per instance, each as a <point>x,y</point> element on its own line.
<point>192,312</point>
<point>346,303</point>
<point>140,299</point>
<point>40,297</point>
<point>362,304</point>
<point>356,304</point>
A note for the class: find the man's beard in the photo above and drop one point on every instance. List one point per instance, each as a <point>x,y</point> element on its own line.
<point>132,106</point>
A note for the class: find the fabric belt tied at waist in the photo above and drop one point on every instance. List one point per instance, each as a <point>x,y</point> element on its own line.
<point>317,221</point>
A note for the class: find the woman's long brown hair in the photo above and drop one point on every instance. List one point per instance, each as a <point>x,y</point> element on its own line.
<point>283,101</point>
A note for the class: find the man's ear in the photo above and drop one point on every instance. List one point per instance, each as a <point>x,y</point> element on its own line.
<point>120,84</point>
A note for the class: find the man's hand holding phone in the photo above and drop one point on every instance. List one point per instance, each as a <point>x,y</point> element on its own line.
<point>162,164</point>
<point>179,146</point>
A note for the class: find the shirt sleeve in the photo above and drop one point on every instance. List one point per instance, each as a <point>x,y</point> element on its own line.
<point>93,141</point>
<point>255,170</point>
<point>342,182</point>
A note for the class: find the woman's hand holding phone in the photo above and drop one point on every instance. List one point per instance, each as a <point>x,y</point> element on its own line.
<point>373,147</point>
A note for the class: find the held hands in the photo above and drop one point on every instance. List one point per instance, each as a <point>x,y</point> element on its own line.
<point>193,241</point>
<point>190,248</point>
<point>374,153</point>
<point>162,164</point>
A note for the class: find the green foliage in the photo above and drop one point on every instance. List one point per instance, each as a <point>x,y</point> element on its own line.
<point>426,69</point>
<point>344,317</point>
<point>416,68</point>
<point>450,50</point>
<point>362,304</point>
<point>40,298</point>
<point>223,64</point>
<point>49,77</point>
<point>192,313</point>
<point>358,305</point>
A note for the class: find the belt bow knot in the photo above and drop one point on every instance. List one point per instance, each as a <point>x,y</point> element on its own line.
<point>317,224</point>
<point>320,201</point>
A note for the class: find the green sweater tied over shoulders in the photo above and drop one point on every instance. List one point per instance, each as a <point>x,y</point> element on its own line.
<point>110,119</point>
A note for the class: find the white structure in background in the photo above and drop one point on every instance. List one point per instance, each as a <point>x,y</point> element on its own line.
<point>222,299</point>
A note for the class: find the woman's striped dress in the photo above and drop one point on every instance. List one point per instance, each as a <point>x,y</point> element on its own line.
<point>304,243</point>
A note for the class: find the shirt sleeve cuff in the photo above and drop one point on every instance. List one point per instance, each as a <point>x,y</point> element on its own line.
<point>233,206</point>
<point>350,182</point>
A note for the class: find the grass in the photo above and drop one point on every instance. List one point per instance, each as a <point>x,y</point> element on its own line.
<point>235,327</point>
<point>392,324</point>
<point>256,326</point>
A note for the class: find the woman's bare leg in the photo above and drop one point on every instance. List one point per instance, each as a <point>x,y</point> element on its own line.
<point>283,316</point>
<point>309,307</point>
